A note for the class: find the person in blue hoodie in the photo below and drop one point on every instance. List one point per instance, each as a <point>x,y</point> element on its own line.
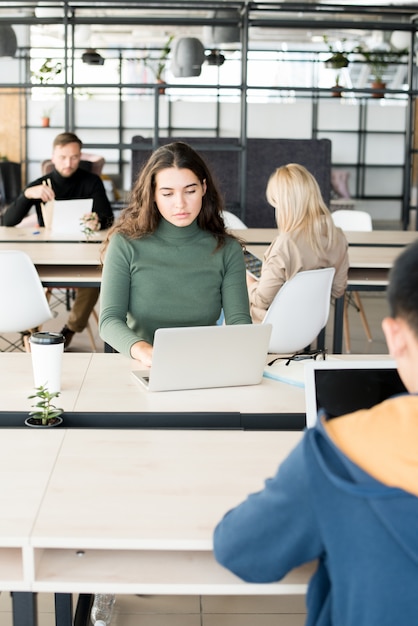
<point>347,497</point>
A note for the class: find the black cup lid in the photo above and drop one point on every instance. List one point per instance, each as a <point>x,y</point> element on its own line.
<point>46,338</point>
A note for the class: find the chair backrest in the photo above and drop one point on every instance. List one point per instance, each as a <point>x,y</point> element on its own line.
<point>300,310</point>
<point>352,220</point>
<point>10,182</point>
<point>24,304</point>
<point>232,221</point>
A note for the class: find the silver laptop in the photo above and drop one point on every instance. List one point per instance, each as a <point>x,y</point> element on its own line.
<point>201,357</point>
<point>343,386</point>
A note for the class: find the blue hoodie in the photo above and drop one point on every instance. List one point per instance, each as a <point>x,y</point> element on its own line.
<point>360,526</point>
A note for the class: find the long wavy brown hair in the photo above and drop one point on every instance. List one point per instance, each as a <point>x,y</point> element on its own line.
<point>141,216</point>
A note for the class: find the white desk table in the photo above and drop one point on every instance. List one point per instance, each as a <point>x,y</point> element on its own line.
<point>57,253</point>
<point>126,511</point>
<point>99,390</point>
<point>17,234</point>
<point>360,257</point>
<point>396,238</point>
<point>62,264</point>
<point>78,264</point>
<point>379,238</point>
<point>142,506</point>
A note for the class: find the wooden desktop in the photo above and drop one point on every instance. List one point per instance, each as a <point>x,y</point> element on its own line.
<point>112,502</point>
<point>80,514</point>
<point>99,390</point>
<point>122,511</point>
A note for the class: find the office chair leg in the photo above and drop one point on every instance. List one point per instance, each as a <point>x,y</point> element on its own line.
<point>363,317</point>
<point>90,331</point>
<point>26,342</point>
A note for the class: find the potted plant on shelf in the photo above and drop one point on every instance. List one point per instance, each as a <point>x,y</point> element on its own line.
<point>162,61</point>
<point>46,117</point>
<point>45,413</point>
<point>90,224</point>
<point>47,72</point>
<point>378,61</point>
<point>337,61</point>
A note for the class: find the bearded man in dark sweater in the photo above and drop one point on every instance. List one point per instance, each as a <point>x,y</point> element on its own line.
<point>67,181</point>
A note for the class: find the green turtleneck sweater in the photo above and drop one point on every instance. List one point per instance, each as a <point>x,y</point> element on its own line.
<point>171,278</point>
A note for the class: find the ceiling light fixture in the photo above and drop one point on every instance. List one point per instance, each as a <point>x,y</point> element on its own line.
<point>223,33</point>
<point>215,57</point>
<point>188,55</point>
<point>8,41</point>
<point>92,57</point>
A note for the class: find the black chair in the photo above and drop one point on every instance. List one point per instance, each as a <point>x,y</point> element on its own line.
<point>263,156</point>
<point>10,184</point>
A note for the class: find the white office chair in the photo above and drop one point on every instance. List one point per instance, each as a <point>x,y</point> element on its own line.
<point>300,310</point>
<point>354,221</point>
<point>232,221</point>
<point>24,304</point>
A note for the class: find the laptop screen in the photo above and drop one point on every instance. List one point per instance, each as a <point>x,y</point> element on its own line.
<point>63,216</point>
<point>202,357</point>
<point>341,387</point>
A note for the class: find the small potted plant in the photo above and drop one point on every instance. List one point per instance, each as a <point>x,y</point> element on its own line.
<point>378,61</point>
<point>47,72</point>
<point>90,224</point>
<point>45,413</point>
<point>46,117</point>
<point>162,60</point>
<point>337,61</point>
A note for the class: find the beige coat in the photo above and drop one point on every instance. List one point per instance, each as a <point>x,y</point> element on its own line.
<point>289,254</point>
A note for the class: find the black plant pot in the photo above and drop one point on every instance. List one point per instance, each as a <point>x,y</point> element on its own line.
<point>35,422</point>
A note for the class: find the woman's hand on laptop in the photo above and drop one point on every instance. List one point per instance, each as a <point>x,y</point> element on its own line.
<point>142,351</point>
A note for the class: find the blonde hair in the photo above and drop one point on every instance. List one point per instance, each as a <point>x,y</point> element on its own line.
<point>295,195</point>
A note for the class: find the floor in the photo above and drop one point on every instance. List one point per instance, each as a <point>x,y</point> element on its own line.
<point>184,610</point>
<point>208,610</point>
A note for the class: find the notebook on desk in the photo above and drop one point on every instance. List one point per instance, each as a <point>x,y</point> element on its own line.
<point>343,386</point>
<point>202,357</point>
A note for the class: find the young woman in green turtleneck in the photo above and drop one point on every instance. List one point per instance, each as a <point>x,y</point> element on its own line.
<point>169,260</point>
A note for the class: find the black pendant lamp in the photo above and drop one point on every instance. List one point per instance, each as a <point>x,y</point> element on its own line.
<point>92,57</point>
<point>8,41</point>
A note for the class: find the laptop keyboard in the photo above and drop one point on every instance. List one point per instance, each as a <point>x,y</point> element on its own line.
<point>253,264</point>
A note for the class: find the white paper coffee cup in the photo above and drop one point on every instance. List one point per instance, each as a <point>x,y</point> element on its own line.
<point>47,350</point>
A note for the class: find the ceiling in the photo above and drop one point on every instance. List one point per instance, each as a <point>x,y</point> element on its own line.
<point>131,24</point>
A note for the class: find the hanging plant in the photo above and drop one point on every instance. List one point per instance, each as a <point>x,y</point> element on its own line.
<point>162,60</point>
<point>47,72</point>
<point>337,61</point>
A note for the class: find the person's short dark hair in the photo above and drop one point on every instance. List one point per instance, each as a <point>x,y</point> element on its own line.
<point>402,292</point>
<point>65,138</point>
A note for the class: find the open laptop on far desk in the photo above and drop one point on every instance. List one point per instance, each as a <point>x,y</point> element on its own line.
<point>63,216</point>
<point>201,357</point>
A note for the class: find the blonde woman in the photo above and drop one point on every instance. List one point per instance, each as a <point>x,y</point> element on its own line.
<point>307,239</point>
